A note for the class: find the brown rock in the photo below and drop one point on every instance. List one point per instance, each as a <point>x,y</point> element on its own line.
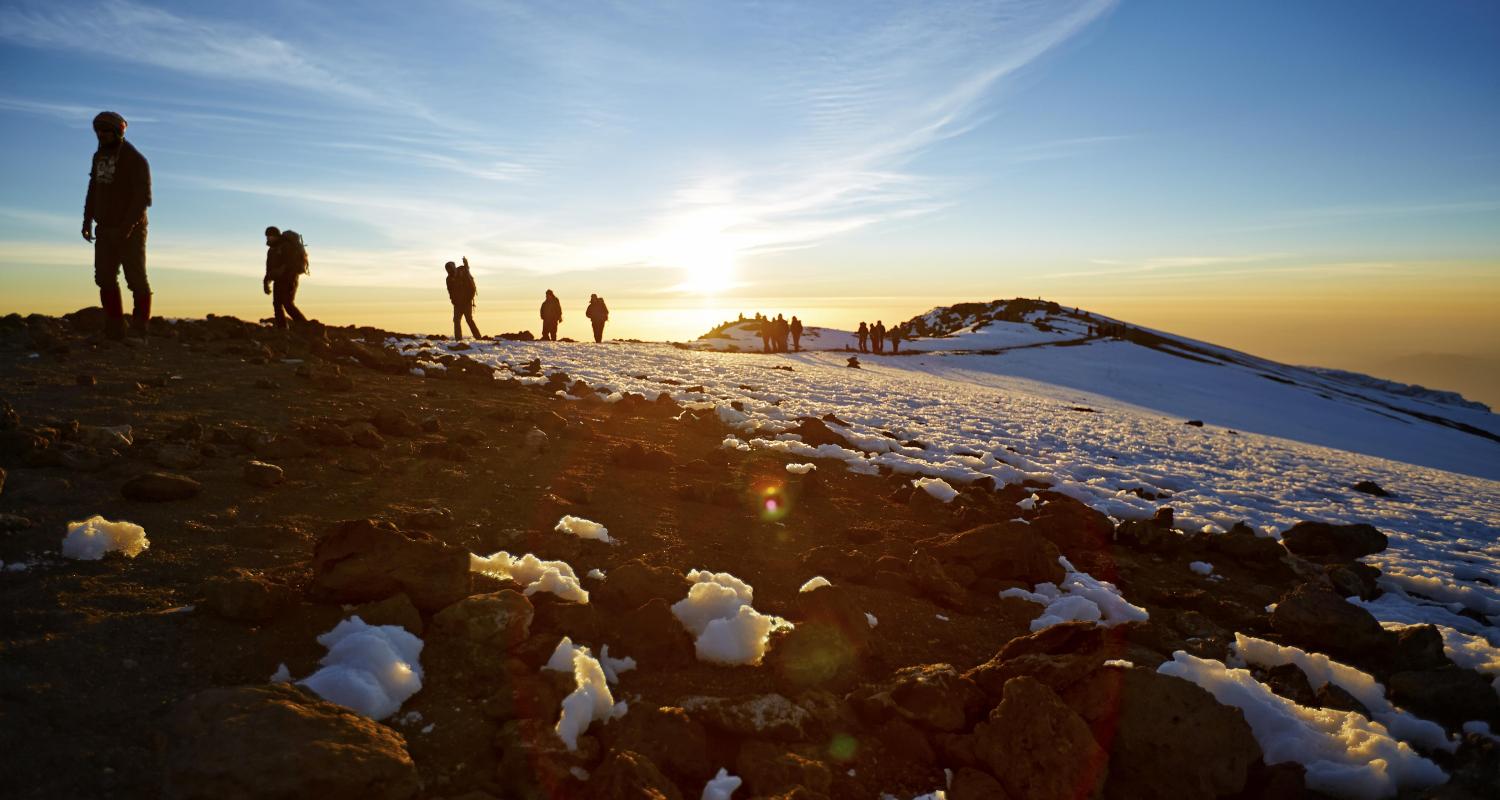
<point>817,653</point>
<point>769,769</point>
<point>1243,544</point>
<point>1450,696</point>
<point>263,475</point>
<point>501,619</point>
<point>1039,748</point>
<point>395,422</point>
<point>653,634</point>
<point>626,774</point>
<point>1005,550</point>
<point>1078,531</point>
<point>1327,543</point>
<point>1166,736</point>
<point>160,487</point>
<point>362,560</point>
<point>630,585</point>
<point>277,742</point>
<point>769,716</point>
<point>535,764</point>
<point>245,596</point>
<point>935,696</point>
<point>972,784</point>
<point>903,740</point>
<point>1319,619</point>
<point>178,455</point>
<point>365,435</point>
<point>669,737</point>
<point>394,610</point>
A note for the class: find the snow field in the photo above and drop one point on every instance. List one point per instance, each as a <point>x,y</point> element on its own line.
<point>1346,755</point>
<point>1013,416</point>
<point>726,628</point>
<point>370,669</point>
<point>592,700</point>
<point>90,539</point>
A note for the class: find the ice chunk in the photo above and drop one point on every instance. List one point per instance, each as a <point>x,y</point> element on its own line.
<point>371,669</point>
<point>800,469</point>
<point>1079,597</point>
<point>870,618</point>
<point>90,539</point>
<point>1202,567</point>
<point>583,529</point>
<point>717,611</point>
<point>534,574</point>
<point>590,701</point>
<point>721,786</point>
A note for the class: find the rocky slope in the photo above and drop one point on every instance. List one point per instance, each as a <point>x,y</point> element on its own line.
<point>287,482</point>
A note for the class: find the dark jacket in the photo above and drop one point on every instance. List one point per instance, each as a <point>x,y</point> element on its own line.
<point>119,186</point>
<point>552,309</point>
<point>282,260</point>
<point>598,311</point>
<point>461,288</point>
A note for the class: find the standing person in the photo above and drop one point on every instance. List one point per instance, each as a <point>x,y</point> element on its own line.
<point>461,293</point>
<point>551,316</point>
<point>864,336</point>
<point>796,333</point>
<point>598,313</point>
<point>877,336</point>
<point>895,336</point>
<point>781,333</point>
<point>286,260</point>
<point>767,328</point>
<point>119,194</point>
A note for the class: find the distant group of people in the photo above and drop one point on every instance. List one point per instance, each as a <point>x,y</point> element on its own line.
<point>115,220</point>
<point>874,338</point>
<point>775,332</point>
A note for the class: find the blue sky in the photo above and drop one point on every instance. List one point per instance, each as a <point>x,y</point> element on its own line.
<point>682,153</point>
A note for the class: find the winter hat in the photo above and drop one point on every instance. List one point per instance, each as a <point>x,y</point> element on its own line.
<point>273,231</point>
<point>109,121</point>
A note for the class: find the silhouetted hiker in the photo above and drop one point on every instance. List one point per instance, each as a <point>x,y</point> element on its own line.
<point>782,331</point>
<point>895,335</point>
<point>598,313</point>
<point>461,293</point>
<point>551,316</point>
<point>877,336</point>
<point>864,336</point>
<point>765,329</point>
<point>286,260</point>
<point>119,194</point>
<point>796,333</point>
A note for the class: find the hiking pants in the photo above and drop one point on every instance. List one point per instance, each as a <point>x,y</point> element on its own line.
<point>598,330</point>
<point>283,299</point>
<point>112,252</point>
<point>549,330</point>
<point>464,312</point>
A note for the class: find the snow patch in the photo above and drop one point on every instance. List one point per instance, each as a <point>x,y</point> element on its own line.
<point>718,613</point>
<point>90,539</point>
<point>721,786</point>
<point>591,700</point>
<point>817,582</point>
<point>800,469</point>
<point>1080,597</point>
<point>532,573</point>
<point>370,669</point>
<point>1202,567</point>
<point>937,487</point>
<point>583,529</point>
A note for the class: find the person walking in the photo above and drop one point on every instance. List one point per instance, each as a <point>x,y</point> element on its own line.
<point>895,334</point>
<point>767,329</point>
<point>286,260</point>
<point>877,336</point>
<point>461,293</point>
<point>796,333</point>
<point>598,314</point>
<point>864,336</point>
<point>782,331</point>
<point>118,196</point>
<point>551,317</point>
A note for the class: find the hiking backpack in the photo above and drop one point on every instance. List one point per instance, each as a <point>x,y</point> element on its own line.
<point>294,252</point>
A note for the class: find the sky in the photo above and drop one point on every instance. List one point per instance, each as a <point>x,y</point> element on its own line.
<point>1317,183</point>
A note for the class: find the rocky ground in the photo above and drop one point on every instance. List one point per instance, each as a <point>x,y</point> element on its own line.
<point>288,481</point>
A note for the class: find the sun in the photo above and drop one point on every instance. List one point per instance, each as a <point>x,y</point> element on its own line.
<point>703,253</point>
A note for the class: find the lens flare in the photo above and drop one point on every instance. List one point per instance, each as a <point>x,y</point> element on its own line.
<point>843,747</point>
<point>774,503</point>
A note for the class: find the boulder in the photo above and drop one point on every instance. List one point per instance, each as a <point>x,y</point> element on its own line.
<point>1244,545</point>
<point>499,619</point>
<point>245,596</point>
<point>178,455</point>
<point>263,475</point>
<point>1009,551</point>
<point>1450,696</point>
<point>394,610</point>
<point>366,435</point>
<point>652,634</point>
<point>629,774</point>
<point>1166,737</point>
<point>1058,656</point>
<point>327,433</point>
<point>929,578</point>
<point>395,422</point>
<point>1354,579</point>
<point>435,518</point>
<point>835,606</point>
<point>1318,619</point>
<point>637,456</point>
<point>1038,747</point>
<point>973,784</point>
<point>1419,647</point>
<point>535,764</point>
<point>363,560</point>
<point>768,769</point>
<point>935,696</point>
<point>275,741</point>
<point>766,716</point>
<point>817,653</point>
<point>1327,543</point>
<point>634,583</point>
<point>669,737</point>
<point>160,487</point>
<point>1080,532</point>
<point>815,432</point>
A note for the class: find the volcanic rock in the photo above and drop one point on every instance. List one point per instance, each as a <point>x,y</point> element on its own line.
<point>362,560</point>
<point>1316,618</point>
<point>768,769</point>
<point>768,716</point>
<point>160,487</point>
<point>247,597</point>
<point>1038,747</point>
<point>1004,550</point>
<point>179,456</point>
<point>500,619</point>
<point>972,784</point>
<point>652,633</point>
<point>630,774</point>
<point>395,422</point>
<point>275,741</point>
<point>1450,696</point>
<point>632,584</point>
<point>1327,543</point>
<point>263,475</point>
<point>394,610</point>
<point>935,696</point>
<point>1243,544</point>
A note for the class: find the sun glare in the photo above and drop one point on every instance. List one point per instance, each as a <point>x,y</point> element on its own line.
<point>703,253</point>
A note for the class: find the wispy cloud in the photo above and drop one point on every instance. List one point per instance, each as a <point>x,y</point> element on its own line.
<point>1328,215</point>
